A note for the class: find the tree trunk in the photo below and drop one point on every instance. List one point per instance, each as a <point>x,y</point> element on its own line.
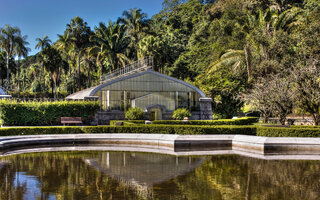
<point>79,81</point>
<point>248,61</point>
<point>52,88</point>
<point>55,89</point>
<point>18,83</point>
<point>282,119</point>
<point>89,78</point>
<point>8,73</point>
<point>316,119</point>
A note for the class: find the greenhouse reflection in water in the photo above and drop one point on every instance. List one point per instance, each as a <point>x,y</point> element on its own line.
<point>127,175</point>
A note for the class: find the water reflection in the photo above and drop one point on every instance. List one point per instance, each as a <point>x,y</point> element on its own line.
<point>118,175</point>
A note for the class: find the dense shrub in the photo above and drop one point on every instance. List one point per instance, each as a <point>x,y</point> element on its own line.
<point>181,113</point>
<point>288,132</point>
<point>164,129</point>
<point>31,95</point>
<point>13,113</point>
<point>240,121</point>
<point>304,126</point>
<point>134,114</point>
<point>127,122</point>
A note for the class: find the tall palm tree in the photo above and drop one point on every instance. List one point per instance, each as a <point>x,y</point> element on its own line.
<point>9,40</point>
<point>21,51</point>
<point>136,23</point>
<point>79,33</point>
<point>53,64</point>
<point>43,43</point>
<point>65,46</point>
<point>110,43</point>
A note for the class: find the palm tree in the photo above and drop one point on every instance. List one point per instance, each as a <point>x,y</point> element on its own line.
<point>53,64</point>
<point>234,58</point>
<point>65,46</point>
<point>9,40</point>
<point>136,24</point>
<point>43,43</point>
<point>21,51</point>
<point>79,33</point>
<point>268,23</point>
<point>110,43</point>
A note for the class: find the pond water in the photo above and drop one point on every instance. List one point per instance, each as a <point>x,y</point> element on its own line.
<point>127,175</point>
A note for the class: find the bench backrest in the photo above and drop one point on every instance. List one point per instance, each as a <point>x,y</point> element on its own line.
<point>71,119</point>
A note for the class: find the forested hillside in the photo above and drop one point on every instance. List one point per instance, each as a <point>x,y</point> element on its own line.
<point>264,53</point>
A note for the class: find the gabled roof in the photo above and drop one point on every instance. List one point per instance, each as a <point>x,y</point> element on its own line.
<point>90,92</point>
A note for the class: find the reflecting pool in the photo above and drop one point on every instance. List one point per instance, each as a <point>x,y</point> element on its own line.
<point>127,175</point>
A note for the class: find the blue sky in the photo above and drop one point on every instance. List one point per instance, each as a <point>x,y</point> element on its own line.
<point>37,18</point>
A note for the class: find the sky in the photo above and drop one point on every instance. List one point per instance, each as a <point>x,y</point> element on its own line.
<point>37,18</point>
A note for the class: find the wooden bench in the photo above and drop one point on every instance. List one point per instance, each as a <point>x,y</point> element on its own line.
<point>71,120</point>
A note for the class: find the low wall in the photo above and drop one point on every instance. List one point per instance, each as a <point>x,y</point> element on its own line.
<point>254,146</point>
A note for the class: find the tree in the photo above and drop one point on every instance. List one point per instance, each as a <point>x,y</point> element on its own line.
<point>136,24</point>
<point>110,42</point>
<point>307,88</point>
<point>79,33</point>
<point>273,95</point>
<point>10,39</point>
<point>21,51</point>
<point>54,65</point>
<point>43,43</point>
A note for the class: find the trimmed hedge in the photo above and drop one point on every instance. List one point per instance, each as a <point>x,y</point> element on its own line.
<point>164,129</point>
<point>240,121</point>
<point>304,126</point>
<point>288,132</point>
<point>13,113</point>
<point>127,122</point>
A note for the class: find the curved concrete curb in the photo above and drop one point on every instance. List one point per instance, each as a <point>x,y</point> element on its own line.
<point>253,146</point>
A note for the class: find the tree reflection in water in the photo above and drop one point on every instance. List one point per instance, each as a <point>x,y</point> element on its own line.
<point>119,175</point>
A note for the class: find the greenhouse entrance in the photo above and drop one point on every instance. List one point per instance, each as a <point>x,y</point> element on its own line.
<point>155,114</point>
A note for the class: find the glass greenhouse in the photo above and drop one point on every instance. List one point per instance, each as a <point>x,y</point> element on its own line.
<point>143,90</point>
<point>138,85</point>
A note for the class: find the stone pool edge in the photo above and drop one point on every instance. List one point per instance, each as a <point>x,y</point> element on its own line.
<point>253,146</point>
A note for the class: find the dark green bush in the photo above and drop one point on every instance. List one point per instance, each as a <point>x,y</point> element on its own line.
<point>13,113</point>
<point>304,126</point>
<point>127,122</point>
<point>181,113</point>
<point>164,129</point>
<point>240,121</point>
<point>28,95</point>
<point>134,114</point>
<point>288,132</point>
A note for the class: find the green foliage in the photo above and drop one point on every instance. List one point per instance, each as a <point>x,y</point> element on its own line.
<point>288,132</point>
<point>181,113</point>
<point>240,121</point>
<point>13,113</point>
<point>163,129</point>
<point>304,126</point>
<point>134,114</point>
<point>223,47</point>
<point>127,122</point>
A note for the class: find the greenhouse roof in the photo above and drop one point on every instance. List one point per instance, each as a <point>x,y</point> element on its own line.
<point>90,92</point>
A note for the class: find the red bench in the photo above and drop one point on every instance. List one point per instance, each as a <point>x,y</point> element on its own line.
<point>71,120</point>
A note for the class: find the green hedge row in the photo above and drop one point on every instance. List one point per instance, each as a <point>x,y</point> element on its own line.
<point>127,122</point>
<point>240,121</point>
<point>14,113</point>
<point>164,129</point>
<point>288,132</point>
<point>304,126</point>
